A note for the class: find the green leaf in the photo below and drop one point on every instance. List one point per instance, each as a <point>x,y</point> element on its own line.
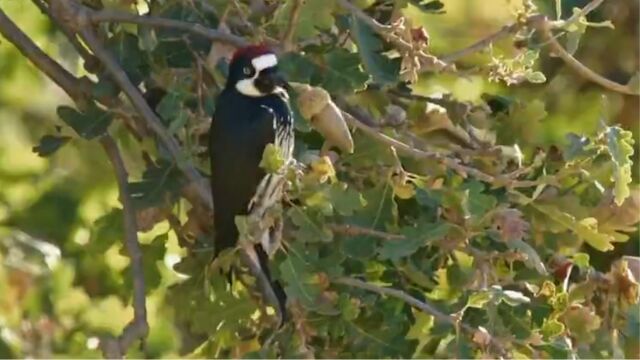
<point>297,67</point>
<point>581,322</point>
<point>479,299</point>
<point>309,228</point>
<point>421,326</point>
<point>578,146</point>
<point>552,328</point>
<point>171,108</point>
<point>533,259</point>
<point>345,199</point>
<point>586,229</point>
<point>581,259</point>
<point>381,210</point>
<point>272,159</point>
<point>370,47</point>
<point>49,144</point>
<point>536,77</point>
<point>160,184</point>
<point>348,310</point>
<point>478,203</point>
<point>124,47</point>
<point>152,254</point>
<point>341,72</point>
<point>416,237</point>
<point>313,16</point>
<point>89,124</point>
<point>620,144</point>
<point>107,230</point>
<point>302,285</point>
<point>573,41</point>
<point>175,48</point>
<point>444,290</point>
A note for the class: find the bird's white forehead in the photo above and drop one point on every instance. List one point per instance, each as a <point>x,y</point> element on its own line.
<point>264,61</point>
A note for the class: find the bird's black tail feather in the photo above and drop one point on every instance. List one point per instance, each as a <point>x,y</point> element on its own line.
<point>281,296</point>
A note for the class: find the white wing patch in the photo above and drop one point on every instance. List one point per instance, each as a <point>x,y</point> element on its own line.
<point>271,187</point>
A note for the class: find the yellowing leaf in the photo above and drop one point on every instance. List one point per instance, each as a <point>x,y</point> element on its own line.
<point>586,229</point>
<point>620,145</point>
<point>552,328</point>
<point>581,322</point>
<point>479,299</point>
<point>421,327</point>
<point>404,191</point>
<point>272,159</point>
<point>322,169</point>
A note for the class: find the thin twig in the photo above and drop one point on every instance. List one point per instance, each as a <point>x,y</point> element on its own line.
<point>359,119</point>
<point>429,62</point>
<point>445,103</point>
<point>287,36</point>
<point>138,328</point>
<point>151,119</point>
<point>353,230</point>
<point>594,4</point>
<point>69,83</point>
<point>479,45</point>
<point>379,28</point>
<point>195,28</point>
<point>399,294</point>
<point>511,29</point>
<point>425,307</point>
<point>73,39</point>
<point>545,29</point>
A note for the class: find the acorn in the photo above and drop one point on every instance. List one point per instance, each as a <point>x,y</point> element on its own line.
<point>316,106</point>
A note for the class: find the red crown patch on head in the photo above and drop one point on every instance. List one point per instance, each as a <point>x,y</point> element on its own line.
<point>251,51</point>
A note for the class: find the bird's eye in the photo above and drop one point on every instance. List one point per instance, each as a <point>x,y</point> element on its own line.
<point>247,70</point>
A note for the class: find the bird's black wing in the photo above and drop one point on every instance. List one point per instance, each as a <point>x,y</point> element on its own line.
<point>240,131</point>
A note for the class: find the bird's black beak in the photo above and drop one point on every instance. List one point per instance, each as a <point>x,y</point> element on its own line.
<point>267,82</point>
<point>284,84</point>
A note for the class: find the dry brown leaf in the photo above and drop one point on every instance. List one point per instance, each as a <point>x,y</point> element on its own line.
<point>149,217</point>
<point>510,224</point>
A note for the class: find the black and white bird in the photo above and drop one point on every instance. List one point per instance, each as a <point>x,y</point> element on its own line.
<point>251,112</point>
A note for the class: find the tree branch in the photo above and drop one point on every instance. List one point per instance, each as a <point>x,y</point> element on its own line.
<point>359,119</point>
<point>73,86</point>
<point>151,119</point>
<point>594,4</point>
<point>82,51</point>
<point>195,28</point>
<point>428,61</point>
<point>138,328</point>
<point>287,36</point>
<point>481,44</point>
<point>545,27</point>
<point>425,307</point>
<point>353,230</point>
<point>399,294</point>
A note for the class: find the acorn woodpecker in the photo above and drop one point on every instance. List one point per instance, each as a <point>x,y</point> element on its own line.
<point>251,112</point>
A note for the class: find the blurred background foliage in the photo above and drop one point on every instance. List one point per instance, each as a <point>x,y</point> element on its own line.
<point>64,279</point>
